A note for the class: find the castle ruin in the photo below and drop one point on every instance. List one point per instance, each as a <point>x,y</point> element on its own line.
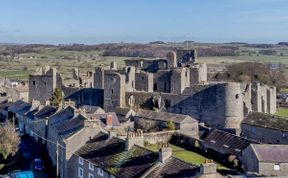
<point>176,84</point>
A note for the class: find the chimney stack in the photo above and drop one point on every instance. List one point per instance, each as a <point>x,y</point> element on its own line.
<point>165,152</point>
<point>134,138</point>
<point>109,120</point>
<point>209,168</point>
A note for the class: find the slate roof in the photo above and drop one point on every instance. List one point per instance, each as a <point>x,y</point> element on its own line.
<point>271,153</point>
<point>122,111</point>
<point>122,114</point>
<point>102,118</point>
<point>30,114</point>
<point>19,107</point>
<point>5,105</point>
<point>266,121</point>
<point>174,167</point>
<point>226,143</point>
<point>92,109</point>
<point>62,115</point>
<point>70,127</point>
<point>46,111</point>
<point>163,116</point>
<point>110,155</point>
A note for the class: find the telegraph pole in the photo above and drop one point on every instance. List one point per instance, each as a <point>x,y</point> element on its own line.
<point>57,159</point>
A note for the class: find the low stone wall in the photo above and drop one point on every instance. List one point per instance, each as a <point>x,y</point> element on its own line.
<point>186,141</point>
<point>158,137</point>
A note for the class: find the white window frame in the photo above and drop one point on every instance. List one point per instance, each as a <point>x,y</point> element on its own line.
<point>100,172</point>
<point>80,170</point>
<point>81,161</point>
<point>91,167</point>
<point>90,175</point>
<point>276,167</point>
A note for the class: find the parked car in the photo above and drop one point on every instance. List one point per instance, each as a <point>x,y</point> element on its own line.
<point>38,165</point>
<point>20,174</point>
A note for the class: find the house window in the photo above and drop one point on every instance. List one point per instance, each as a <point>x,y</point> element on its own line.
<point>90,175</point>
<point>80,161</point>
<point>91,167</point>
<point>100,172</point>
<point>80,172</point>
<point>276,167</point>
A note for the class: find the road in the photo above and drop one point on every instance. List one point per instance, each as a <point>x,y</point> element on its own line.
<point>29,150</point>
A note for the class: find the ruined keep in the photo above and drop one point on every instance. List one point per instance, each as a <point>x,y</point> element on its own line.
<point>177,84</point>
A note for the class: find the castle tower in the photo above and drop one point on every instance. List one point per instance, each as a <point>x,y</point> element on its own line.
<point>171,59</point>
<point>99,78</point>
<point>179,80</point>
<point>198,74</point>
<point>42,83</point>
<point>233,105</point>
<point>114,91</point>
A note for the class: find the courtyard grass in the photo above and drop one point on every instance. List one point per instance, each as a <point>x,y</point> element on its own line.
<point>282,112</point>
<point>181,153</point>
<point>284,90</point>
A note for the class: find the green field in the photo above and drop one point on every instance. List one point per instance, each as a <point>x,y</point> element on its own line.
<point>64,61</point>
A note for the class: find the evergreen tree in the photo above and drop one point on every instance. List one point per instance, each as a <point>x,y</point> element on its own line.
<point>56,97</point>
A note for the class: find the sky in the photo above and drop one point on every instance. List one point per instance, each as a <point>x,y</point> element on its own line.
<point>105,21</point>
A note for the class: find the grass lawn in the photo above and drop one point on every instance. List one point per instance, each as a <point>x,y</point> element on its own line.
<point>283,112</point>
<point>181,153</point>
<point>284,90</point>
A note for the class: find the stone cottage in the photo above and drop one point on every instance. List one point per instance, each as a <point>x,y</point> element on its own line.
<point>152,120</point>
<point>107,156</point>
<point>265,128</point>
<point>266,160</point>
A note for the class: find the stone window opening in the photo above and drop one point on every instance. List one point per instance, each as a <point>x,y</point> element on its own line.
<point>167,103</point>
<point>237,96</point>
<point>34,83</point>
<point>155,87</point>
<point>112,91</point>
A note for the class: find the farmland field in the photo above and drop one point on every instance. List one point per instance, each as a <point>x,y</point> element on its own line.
<point>20,66</point>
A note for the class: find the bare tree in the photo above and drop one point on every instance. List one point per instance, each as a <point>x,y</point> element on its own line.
<point>9,140</point>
